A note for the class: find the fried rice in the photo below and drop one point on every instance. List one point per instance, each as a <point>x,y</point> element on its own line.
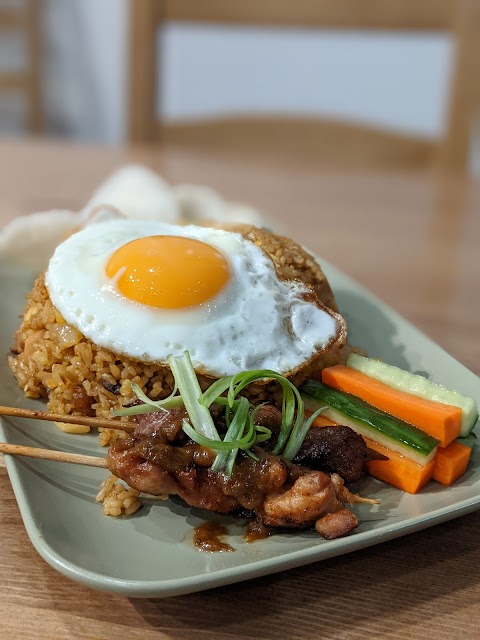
<point>53,360</point>
<point>117,499</point>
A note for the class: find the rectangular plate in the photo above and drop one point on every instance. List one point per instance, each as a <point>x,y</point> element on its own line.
<point>151,554</point>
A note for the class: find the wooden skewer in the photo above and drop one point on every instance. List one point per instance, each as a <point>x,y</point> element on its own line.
<point>57,417</point>
<point>47,454</point>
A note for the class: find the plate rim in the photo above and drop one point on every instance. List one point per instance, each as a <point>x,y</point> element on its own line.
<point>230,575</point>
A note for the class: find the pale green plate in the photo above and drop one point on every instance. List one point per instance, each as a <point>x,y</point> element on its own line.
<point>151,553</point>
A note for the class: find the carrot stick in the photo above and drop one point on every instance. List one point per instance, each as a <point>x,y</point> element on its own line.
<point>451,462</point>
<point>398,471</point>
<point>441,421</point>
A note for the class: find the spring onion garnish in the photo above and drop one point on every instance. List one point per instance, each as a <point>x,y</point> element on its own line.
<point>224,462</point>
<point>217,445</point>
<point>149,405</point>
<point>240,415</point>
<point>296,439</point>
<point>187,383</point>
<point>292,427</point>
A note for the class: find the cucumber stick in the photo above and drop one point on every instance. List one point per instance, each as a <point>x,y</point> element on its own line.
<point>417,386</point>
<point>370,422</point>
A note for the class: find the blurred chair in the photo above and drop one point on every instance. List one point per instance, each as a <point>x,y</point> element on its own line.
<point>330,141</point>
<point>22,17</point>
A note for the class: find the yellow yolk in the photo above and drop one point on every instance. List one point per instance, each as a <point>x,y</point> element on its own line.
<point>170,272</point>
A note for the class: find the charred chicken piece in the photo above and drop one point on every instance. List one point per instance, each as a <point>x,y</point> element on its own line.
<point>336,449</point>
<point>163,425</point>
<point>311,496</point>
<point>336,524</point>
<point>314,499</point>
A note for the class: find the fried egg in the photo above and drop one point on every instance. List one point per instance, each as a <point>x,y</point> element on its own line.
<point>149,289</point>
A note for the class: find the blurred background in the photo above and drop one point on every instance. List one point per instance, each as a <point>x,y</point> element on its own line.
<point>362,81</point>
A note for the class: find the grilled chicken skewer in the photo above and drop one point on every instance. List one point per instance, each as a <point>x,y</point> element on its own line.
<point>158,458</point>
<point>314,498</point>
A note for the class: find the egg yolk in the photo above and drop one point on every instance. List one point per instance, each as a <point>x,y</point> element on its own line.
<point>170,272</point>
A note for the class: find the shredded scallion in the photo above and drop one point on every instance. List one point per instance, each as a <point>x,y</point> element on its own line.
<point>149,406</point>
<point>217,445</point>
<point>224,461</point>
<point>187,383</point>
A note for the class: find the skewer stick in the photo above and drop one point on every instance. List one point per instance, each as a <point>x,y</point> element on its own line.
<point>47,454</point>
<point>57,417</point>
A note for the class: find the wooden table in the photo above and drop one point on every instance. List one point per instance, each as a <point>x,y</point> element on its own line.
<point>413,240</point>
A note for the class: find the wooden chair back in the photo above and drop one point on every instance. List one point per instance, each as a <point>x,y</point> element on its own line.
<point>334,142</point>
<point>23,18</point>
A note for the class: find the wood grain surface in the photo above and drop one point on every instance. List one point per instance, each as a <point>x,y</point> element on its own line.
<point>411,238</point>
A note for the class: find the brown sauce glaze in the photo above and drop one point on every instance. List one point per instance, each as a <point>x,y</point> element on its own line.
<point>206,537</point>
<point>256,531</point>
<point>253,480</point>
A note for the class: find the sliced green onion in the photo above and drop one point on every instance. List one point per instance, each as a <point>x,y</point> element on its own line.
<point>218,445</point>
<point>144,398</point>
<point>186,380</point>
<point>224,461</point>
<point>288,414</point>
<point>213,393</point>
<point>256,410</point>
<point>298,435</point>
<point>263,433</point>
<point>250,434</point>
<point>293,429</point>
<point>172,402</point>
<point>292,401</point>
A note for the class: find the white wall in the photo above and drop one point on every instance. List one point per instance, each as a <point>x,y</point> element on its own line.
<point>398,81</point>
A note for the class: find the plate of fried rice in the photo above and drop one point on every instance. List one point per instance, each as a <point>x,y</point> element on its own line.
<point>147,551</point>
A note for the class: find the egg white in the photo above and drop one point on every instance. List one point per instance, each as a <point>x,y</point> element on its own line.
<point>257,321</point>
